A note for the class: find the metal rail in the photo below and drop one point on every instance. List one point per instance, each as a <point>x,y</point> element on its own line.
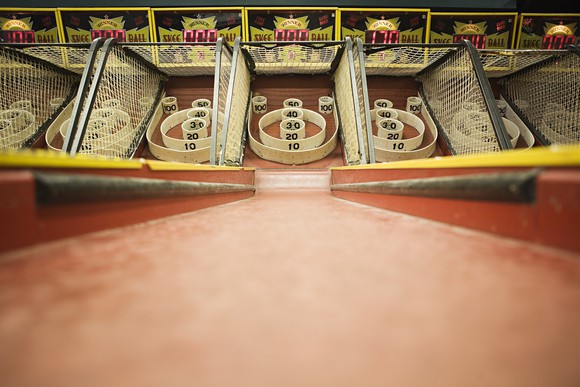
<point>55,188</point>
<point>516,187</point>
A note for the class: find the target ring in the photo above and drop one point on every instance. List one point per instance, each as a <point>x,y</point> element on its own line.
<point>403,144</point>
<point>18,126</point>
<point>287,146</point>
<point>171,148</point>
<point>419,146</point>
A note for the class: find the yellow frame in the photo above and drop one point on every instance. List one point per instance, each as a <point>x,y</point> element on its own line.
<point>413,10</point>
<point>28,9</point>
<point>551,156</point>
<point>522,15</point>
<point>274,9</point>
<point>514,14</point>
<point>44,158</point>
<point>89,9</point>
<point>185,9</point>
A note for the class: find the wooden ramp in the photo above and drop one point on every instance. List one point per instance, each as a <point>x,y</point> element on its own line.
<point>292,287</point>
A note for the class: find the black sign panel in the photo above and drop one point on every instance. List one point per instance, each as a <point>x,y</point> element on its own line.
<point>82,26</point>
<point>291,25</point>
<point>385,25</point>
<point>197,25</point>
<point>28,26</point>
<point>494,30</point>
<point>548,31</point>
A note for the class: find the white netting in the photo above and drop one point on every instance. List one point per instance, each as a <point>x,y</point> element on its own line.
<point>33,92</point>
<point>221,94</point>
<point>314,59</point>
<point>70,57</point>
<point>358,85</point>
<point>343,89</point>
<point>401,61</point>
<point>456,98</point>
<point>548,96</point>
<point>121,109</point>
<point>504,62</point>
<point>291,58</point>
<point>181,60</point>
<point>233,147</point>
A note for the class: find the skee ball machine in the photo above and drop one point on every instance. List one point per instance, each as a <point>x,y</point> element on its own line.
<point>298,71</point>
<point>303,94</point>
<point>539,90</point>
<point>437,91</point>
<point>133,85</point>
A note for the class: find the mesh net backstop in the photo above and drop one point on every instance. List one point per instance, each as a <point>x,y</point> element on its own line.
<point>340,61</point>
<point>34,92</point>
<point>544,90</point>
<point>454,89</point>
<point>120,100</point>
<point>110,117</point>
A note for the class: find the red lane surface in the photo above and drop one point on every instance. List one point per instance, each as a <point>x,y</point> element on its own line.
<point>292,287</point>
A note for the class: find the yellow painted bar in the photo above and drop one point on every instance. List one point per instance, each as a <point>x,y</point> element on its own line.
<point>245,24</point>
<point>553,156</point>
<point>27,9</point>
<point>428,26</point>
<point>60,28</point>
<point>245,27</point>
<point>274,9</point>
<point>116,9</point>
<point>41,158</point>
<point>550,14</point>
<point>473,13</point>
<point>204,9</point>
<point>385,9</point>
<point>152,31</point>
<point>157,165</point>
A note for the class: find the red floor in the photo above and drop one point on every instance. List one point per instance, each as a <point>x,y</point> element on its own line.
<point>292,287</point>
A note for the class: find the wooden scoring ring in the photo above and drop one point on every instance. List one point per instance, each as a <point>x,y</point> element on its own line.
<point>404,144</point>
<point>301,156</point>
<point>109,132</point>
<point>22,125</point>
<point>176,119</point>
<point>196,156</point>
<point>387,155</point>
<point>283,144</point>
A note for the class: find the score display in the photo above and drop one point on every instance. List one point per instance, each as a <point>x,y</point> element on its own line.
<point>17,36</point>
<point>293,25</point>
<point>291,35</point>
<point>200,36</point>
<point>557,42</point>
<point>477,40</point>
<point>116,34</point>
<point>381,36</point>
